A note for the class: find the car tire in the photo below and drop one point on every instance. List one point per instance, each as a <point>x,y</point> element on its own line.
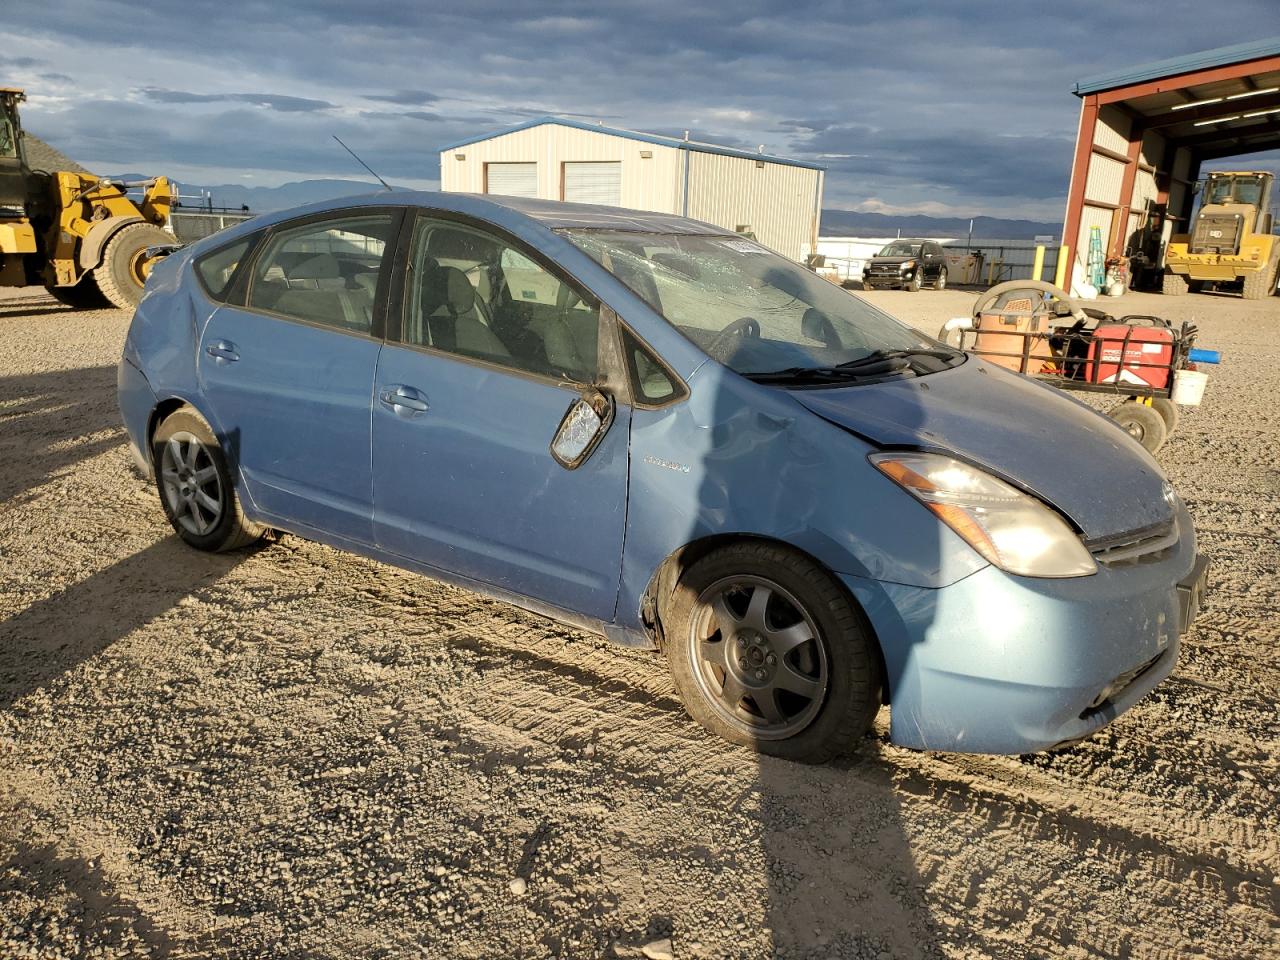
<point>941,282</point>
<point>1141,422</point>
<point>196,487</point>
<point>1168,411</point>
<point>913,284</point>
<point>802,655</point>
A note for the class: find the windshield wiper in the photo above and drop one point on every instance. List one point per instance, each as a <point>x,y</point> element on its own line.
<point>877,357</point>
<point>804,375</point>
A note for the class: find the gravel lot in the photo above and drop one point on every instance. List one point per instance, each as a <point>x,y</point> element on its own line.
<point>294,752</point>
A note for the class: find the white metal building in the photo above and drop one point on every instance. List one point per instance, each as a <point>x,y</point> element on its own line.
<point>778,200</point>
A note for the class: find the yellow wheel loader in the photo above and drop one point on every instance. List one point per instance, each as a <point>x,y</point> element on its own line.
<point>79,236</point>
<point>1231,238</point>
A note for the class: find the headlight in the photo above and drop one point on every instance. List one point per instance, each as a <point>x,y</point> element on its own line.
<point>1009,529</point>
<point>906,265</point>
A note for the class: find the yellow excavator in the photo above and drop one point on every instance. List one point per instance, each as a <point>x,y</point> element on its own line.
<point>1231,238</point>
<point>81,237</point>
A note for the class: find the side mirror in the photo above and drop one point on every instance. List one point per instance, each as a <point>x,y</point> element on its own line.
<point>584,425</point>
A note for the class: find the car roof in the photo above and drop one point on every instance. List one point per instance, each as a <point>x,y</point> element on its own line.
<point>504,211</point>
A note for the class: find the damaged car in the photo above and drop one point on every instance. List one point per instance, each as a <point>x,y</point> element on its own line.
<point>657,430</point>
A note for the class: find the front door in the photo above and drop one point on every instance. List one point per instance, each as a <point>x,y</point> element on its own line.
<point>465,408</point>
<point>289,375</point>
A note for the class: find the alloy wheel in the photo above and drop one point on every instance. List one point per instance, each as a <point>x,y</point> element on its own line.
<point>758,657</point>
<point>192,486</point>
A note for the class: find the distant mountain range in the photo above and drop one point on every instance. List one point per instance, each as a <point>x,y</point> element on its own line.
<point>834,222</point>
<point>267,199</point>
<point>837,223</point>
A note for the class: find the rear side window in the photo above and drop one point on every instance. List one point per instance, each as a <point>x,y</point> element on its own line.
<point>218,269</point>
<point>325,271</point>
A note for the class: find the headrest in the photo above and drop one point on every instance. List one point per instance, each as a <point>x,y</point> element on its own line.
<point>446,287</point>
<point>816,325</point>
<point>322,266</point>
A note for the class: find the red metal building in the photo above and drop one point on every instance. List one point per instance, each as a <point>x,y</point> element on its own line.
<point>1146,130</point>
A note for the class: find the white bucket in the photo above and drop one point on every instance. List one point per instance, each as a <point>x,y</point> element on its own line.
<point>1188,387</point>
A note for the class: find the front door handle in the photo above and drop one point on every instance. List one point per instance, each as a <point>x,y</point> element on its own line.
<point>223,351</point>
<point>403,400</point>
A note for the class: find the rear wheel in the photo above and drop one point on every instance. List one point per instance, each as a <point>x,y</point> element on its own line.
<point>85,295</point>
<point>768,651</point>
<point>125,265</point>
<point>941,282</point>
<point>1173,285</point>
<point>1141,422</point>
<point>1260,284</point>
<point>196,488</point>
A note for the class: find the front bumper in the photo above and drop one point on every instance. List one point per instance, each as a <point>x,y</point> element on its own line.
<point>1001,664</point>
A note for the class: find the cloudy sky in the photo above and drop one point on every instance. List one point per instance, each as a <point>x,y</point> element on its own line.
<point>946,109</point>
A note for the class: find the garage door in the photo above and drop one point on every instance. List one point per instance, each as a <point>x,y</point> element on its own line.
<point>593,183</point>
<point>511,179</point>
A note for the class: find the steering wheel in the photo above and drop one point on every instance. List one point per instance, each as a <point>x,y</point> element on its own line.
<point>745,327</point>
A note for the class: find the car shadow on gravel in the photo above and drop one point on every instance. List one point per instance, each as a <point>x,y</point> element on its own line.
<point>49,422</point>
<point>54,635</point>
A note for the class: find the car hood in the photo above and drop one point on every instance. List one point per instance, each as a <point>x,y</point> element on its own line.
<point>891,260</point>
<point>1022,430</point>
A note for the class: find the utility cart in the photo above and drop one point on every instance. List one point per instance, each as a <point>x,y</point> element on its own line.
<point>1037,329</point>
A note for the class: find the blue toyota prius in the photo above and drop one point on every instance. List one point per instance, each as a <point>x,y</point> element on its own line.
<point>665,433</point>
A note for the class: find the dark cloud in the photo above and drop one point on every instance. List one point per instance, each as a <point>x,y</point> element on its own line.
<point>408,98</point>
<point>272,101</point>
<point>967,105</point>
<point>19,63</point>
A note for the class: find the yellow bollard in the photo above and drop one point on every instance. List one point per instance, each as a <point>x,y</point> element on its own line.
<point>1038,267</point>
<point>1060,275</point>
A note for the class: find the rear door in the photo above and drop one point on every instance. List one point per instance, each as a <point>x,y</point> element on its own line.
<point>493,349</point>
<point>288,374</point>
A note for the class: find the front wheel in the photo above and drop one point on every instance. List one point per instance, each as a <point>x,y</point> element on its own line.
<point>914,283</point>
<point>195,485</point>
<point>769,652</point>
<point>125,265</point>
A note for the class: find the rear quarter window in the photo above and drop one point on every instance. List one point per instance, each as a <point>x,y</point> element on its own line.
<point>217,269</point>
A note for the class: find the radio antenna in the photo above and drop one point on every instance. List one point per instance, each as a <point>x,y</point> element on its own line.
<point>361,162</point>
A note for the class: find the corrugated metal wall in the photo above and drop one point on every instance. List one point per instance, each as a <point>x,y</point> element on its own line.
<point>774,201</point>
<point>648,183</point>
<point>779,202</point>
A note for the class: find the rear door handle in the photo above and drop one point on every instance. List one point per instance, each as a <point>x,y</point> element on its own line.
<point>405,401</point>
<point>223,351</point>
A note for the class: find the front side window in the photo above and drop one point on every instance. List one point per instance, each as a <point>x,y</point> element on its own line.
<point>748,307</point>
<point>474,294</point>
<point>8,143</point>
<point>326,271</point>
